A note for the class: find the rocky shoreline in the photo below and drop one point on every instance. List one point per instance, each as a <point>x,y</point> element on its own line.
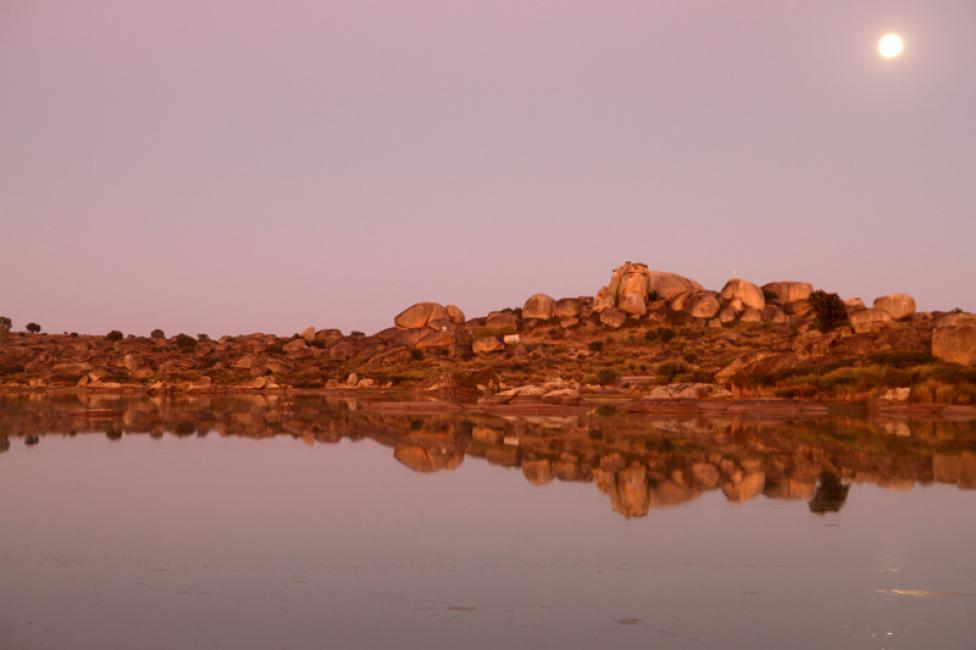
<point>649,337</point>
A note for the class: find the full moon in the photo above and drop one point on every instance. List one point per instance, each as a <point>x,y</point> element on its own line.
<point>890,46</point>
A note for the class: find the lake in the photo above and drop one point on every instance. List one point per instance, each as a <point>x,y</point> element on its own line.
<point>275,522</point>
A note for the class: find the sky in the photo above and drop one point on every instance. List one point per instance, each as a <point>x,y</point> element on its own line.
<point>236,166</point>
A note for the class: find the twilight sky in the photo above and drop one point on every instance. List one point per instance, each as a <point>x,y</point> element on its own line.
<point>234,166</point>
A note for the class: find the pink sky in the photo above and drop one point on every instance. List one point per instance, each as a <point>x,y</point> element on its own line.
<point>237,166</point>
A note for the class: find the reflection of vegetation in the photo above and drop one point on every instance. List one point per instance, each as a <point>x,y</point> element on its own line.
<point>830,496</point>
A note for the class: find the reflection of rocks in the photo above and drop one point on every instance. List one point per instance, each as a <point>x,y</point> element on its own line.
<point>640,460</point>
<point>420,459</point>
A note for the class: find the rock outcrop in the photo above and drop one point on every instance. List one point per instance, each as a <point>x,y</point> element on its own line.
<point>421,315</point>
<point>539,306</point>
<point>667,286</point>
<point>955,343</point>
<point>899,305</point>
<point>745,292</point>
<point>787,292</point>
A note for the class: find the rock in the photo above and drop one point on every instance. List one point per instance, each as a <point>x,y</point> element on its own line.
<point>502,322</point>
<point>352,379</point>
<point>131,362</point>
<point>867,319</point>
<point>613,317</point>
<point>566,308</point>
<point>420,314</point>
<point>295,345</point>
<point>702,304</point>
<point>743,488</point>
<point>955,318</point>
<point>750,294</point>
<point>630,284</point>
<point>539,306</point>
<point>257,382</point>
<point>787,292</point>
<point>899,305</point>
<point>955,344</point>
<point>410,337</point>
<point>751,316</point>
<point>487,344</point>
<point>706,475</point>
<point>512,339</point>
<point>603,301</point>
<point>455,314</point>
<point>773,314</point>
<point>668,285</point>
<point>727,315</point>
<point>630,496</point>
<point>688,391</point>
<point>853,304</point>
<point>435,339</point>
<point>567,323</point>
<point>308,333</point>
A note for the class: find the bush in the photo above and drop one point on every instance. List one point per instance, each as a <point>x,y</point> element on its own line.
<point>595,346</point>
<point>606,376</point>
<point>186,343</point>
<point>115,335</point>
<point>157,334</point>
<point>830,310</point>
<point>666,335</point>
<point>357,333</point>
<point>416,354</point>
<point>33,328</point>
<point>202,337</point>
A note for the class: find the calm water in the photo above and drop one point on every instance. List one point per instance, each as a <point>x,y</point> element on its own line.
<point>255,523</point>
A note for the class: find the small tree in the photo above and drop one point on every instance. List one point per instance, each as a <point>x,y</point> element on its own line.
<point>33,328</point>
<point>830,309</point>
<point>5,325</point>
<point>157,334</point>
<point>186,343</point>
<point>115,335</point>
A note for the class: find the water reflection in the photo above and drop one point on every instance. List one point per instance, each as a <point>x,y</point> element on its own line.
<point>641,462</point>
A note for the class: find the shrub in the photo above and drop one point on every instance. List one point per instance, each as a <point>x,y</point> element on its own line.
<point>7,369</point>
<point>606,376</point>
<point>33,328</point>
<point>186,343</point>
<point>202,337</point>
<point>595,346</point>
<point>669,370</point>
<point>416,354</point>
<point>157,334</point>
<point>115,335</point>
<point>830,310</point>
<point>666,335</point>
<point>317,343</point>
<point>357,333</point>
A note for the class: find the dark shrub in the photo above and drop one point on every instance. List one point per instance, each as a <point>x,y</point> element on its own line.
<point>666,334</point>
<point>606,410</point>
<point>595,346</point>
<point>357,333</point>
<point>157,334</point>
<point>10,369</point>
<point>186,343</point>
<point>416,354</point>
<point>317,343</point>
<point>830,310</point>
<point>202,337</point>
<point>606,376</point>
<point>33,328</point>
<point>115,335</point>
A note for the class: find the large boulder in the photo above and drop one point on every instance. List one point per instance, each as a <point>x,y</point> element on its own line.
<point>455,314</point>
<point>487,344</point>
<point>613,317</point>
<point>539,306</point>
<point>632,288</point>
<point>668,285</point>
<point>865,320</point>
<point>502,322</point>
<point>567,308</point>
<point>787,292</point>
<point>955,343</point>
<point>749,294</point>
<point>899,305</point>
<point>420,315</point>
<point>702,304</point>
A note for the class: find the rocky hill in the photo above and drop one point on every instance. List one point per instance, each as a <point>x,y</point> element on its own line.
<point>647,335</point>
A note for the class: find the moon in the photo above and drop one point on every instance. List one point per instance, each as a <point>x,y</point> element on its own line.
<point>890,46</point>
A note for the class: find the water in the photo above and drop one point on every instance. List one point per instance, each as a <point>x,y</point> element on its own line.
<point>262,523</point>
